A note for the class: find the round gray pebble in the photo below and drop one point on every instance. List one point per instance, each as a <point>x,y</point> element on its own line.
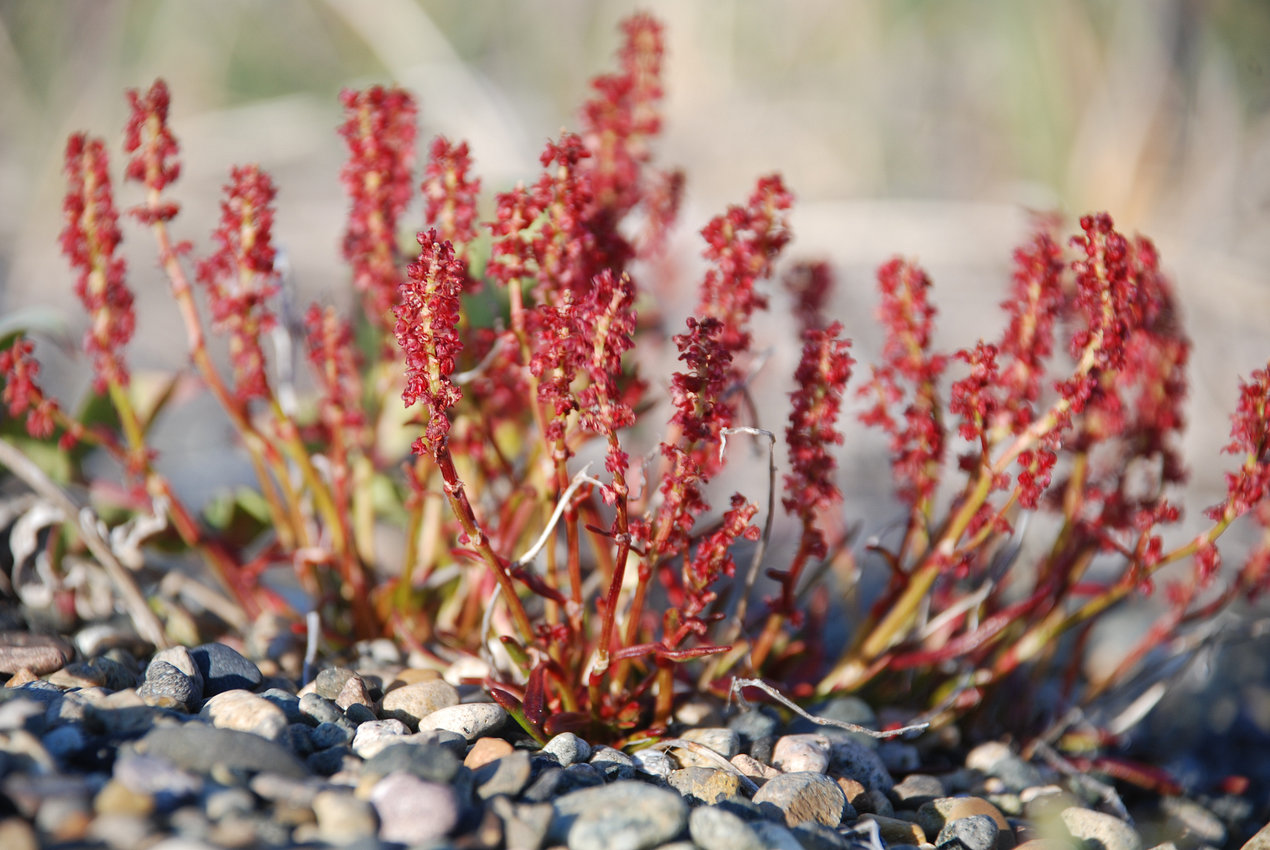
<point>713,828</point>
<point>471,720</point>
<point>166,686</point>
<point>568,749</point>
<point>224,669</point>
<point>977,832</point>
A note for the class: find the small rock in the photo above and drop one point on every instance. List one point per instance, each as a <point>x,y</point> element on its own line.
<point>802,797</point>
<point>815,836</point>
<point>180,658</point>
<point>1110,833</point>
<point>326,735</point>
<point>411,703</point>
<point>725,742</point>
<point>568,749</point>
<point>17,834</point>
<point>757,731</point>
<point>704,784</point>
<point>318,709</point>
<point>22,713</point>
<point>486,750</point>
<point>625,815</point>
<point>97,672</point>
<point>288,702</point>
<point>116,798</point>
<point>353,693</point>
<point>342,818</point>
<point>613,764</point>
<point>505,776</point>
<point>246,712</point>
<point>776,837</point>
<point>804,753</point>
<point>65,742</point>
<point>373,737</point>
<point>1188,820</point>
<point>425,761</point>
<point>934,815</point>
<point>165,686</point>
<point>198,748</point>
<point>997,759</point>
<point>899,757</point>
<point>164,784</point>
<point>977,832</point>
<point>848,757</point>
<point>654,763</point>
<point>331,680</point>
<point>916,790</point>
<point>40,654</point>
<point>753,768</point>
<point>524,824</point>
<point>357,714</point>
<point>471,720</point>
<point>716,829</point>
<point>224,669</point>
<point>412,810</point>
<point>894,831</point>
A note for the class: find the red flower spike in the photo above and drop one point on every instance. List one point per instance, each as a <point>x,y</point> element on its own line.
<point>427,317</point>
<point>822,377</point>
<point>335,364</point>
<point>713,558</point>
<point>449,193</point>
<point>607,318</point>
<point>239,277</point>
<point>154,150</point>
<point>90,240</point>
<point>380,132</point>
<point>973,398</point>
<point>917,445</point>
<point>618,122</point>
<point>1249,437</point>
<point>662,200</point>
<point>810,284</point>
<point>1028,341</point>
<point>22,394</point>
<point>742,245</point>
<point>512,254</point>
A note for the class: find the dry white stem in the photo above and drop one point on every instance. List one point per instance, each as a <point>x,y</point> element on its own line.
<point>479,369</point>
<point>1104,791</point>
<point>126,539</point>
<point>739,683</point>
<point>312,628</point>
<point>561,504</point>
<point>709,755</point>
<point>146,623</point>
<point>955,610</point>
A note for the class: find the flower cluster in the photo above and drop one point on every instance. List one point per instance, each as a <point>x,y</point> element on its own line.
<point>239,276</point>
<point>90,240</point>
<point>380,132</point>
<point>427,317</point>
<point>606,598</point>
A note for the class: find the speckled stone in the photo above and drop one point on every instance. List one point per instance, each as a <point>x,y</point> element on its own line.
<point>330,681</point>
<point>166,686</point>
<point>977,832</point>
<point>704,784</point>
<point>725,742</point>
<point>850,758</point>
<point>1108,832</point>
<point>802,797</point>
<point>411,703</point>
<point>935,814</point>
<point>371,738</point>
<point>354,693</point>
<point>180,658</point>
<point>471,720</point>
<point>246,712</point>
<point>804,753</point>
<point>613,764</point>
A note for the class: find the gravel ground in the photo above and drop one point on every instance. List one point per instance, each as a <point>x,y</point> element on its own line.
<point>202,747</point>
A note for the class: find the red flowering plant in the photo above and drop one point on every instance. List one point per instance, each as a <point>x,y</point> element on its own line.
<point>557,510</point>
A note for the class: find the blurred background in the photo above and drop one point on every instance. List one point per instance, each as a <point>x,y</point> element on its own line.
<point>928,129</point>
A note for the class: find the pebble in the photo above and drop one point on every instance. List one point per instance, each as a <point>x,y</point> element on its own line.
<point>165,686</point>
<point>371,738</point>
<point>224,669</point>
<point>246,712</point>
<point>717,829</point>
<point>800,797</point>
<point>412,810</point>
<point>343,818</point>
<point>625,815</point>
<point>471,720</point>
<point>40,654</point>
<point>412,703</point>
<point>185,761</point>
<point>977,832</point>
<point>1100,829</point>
<point>568,749</point>
<point>805,753</point>
<point>852,759</point>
